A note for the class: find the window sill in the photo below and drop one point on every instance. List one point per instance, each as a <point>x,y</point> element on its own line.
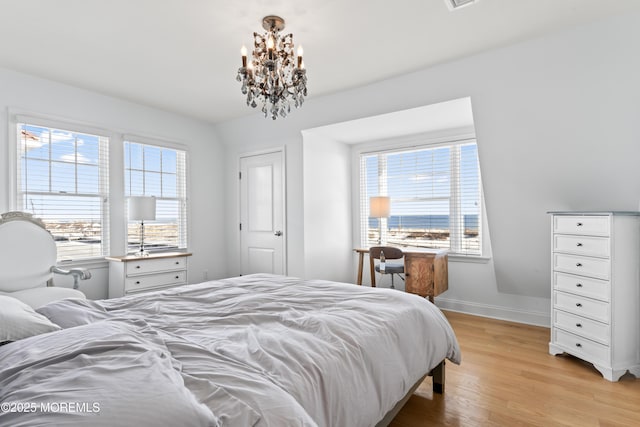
<point>469,258</point>
<point>86,263</point>
<point>160,251</point>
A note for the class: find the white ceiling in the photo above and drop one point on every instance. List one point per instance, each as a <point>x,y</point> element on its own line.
<point>183,55</point>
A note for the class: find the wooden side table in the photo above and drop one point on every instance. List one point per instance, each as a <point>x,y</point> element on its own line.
<point>426,274</point>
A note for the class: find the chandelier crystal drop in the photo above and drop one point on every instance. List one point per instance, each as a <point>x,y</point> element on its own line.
<point>274,78</point>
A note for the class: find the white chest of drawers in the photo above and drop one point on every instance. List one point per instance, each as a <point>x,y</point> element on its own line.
<point>595,295</point>
<point>132,274</point>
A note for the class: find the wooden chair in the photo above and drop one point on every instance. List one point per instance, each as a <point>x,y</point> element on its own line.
<point>393,268</point>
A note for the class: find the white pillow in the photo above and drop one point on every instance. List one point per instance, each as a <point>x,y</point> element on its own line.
<point>18,320</point>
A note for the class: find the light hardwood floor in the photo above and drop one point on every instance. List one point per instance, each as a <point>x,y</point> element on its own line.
<point>508,378</point>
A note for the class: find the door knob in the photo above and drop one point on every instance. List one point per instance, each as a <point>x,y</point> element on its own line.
<point>278,233</point>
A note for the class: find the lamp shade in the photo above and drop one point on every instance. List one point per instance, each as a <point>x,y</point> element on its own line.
<point>142,208</point>
<point>379,207</point>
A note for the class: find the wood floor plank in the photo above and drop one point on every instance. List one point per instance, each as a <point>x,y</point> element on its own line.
<point>508,378</point>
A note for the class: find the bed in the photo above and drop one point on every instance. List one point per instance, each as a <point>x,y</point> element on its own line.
<point>261,350</point>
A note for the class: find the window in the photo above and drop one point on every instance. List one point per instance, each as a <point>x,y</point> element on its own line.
<point>62,178</point>
<point>152,170</point>
<point>435,195</point>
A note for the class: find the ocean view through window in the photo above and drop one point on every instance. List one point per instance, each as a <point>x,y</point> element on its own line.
<point>153,170</point>
<point>62,179</point>
<point>435,193</point>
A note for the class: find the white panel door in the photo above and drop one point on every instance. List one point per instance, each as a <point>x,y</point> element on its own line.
<point>262,219</point>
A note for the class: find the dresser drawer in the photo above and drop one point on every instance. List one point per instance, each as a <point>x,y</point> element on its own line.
<point>582,347</point>
<point>145,266</point>
<point>585,286</point>
<point>596,331</point>
<point>581,306</point>
<point>592,225</point>
<point>134,284</point>
<point>581,245</point>
<point>582,265</point>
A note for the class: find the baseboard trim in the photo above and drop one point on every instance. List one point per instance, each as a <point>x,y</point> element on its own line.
<point>535,318</point>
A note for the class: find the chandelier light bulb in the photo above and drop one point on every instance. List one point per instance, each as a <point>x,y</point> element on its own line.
<point>300,52</point>
<point>243,52</point>
<point>270,45</point>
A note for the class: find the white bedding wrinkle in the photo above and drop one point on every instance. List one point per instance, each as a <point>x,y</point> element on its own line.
<point>74,313</point>
<point>18,320</point>
<point>270,350</point>
<point>109,373</point>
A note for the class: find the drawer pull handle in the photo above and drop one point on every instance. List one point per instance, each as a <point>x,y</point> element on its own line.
<point>579,325</point>
<point>578,344</point>
<point>177,277</point>
<point>137,266</point>
<point>579,224</point>
<point>579,244</point>
<point>177,262</point>
<point>578,304</point>
<point>578,285</point>
<point>578,264</point>
<point>138,282</point>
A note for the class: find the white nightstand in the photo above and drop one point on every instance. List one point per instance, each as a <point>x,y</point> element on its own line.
<point>132,274</point>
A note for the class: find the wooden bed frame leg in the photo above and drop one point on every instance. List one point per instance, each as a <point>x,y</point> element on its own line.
<point>438,387</point>
<point>438,378</point>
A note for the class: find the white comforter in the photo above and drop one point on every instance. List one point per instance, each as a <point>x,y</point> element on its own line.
<point>268,350</point>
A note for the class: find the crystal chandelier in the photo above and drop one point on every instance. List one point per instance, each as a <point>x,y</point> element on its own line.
<point>273,77</point>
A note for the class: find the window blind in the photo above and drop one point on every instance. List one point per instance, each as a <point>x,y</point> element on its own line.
<point>158,171</point>
<point>435,196</point>
<point>62,178</point>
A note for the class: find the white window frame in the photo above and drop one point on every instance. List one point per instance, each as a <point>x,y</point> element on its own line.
<point>115,223</point>
<point>17,117</point>
<point>182,188</point>
<point>419,141</point>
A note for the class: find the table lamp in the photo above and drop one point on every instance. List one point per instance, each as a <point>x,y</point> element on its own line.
<point>142,208</point>
<point>379,207</point>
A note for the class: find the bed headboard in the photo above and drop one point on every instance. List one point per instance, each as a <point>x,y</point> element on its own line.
<point>27,252</point>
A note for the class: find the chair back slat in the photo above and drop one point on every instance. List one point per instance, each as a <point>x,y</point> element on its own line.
<point>390,252</point>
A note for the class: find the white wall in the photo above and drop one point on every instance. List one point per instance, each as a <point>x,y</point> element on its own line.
<point>246,141</point>
<point>327,208</point>
<point>556,124</point>
<point>43,97</point>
